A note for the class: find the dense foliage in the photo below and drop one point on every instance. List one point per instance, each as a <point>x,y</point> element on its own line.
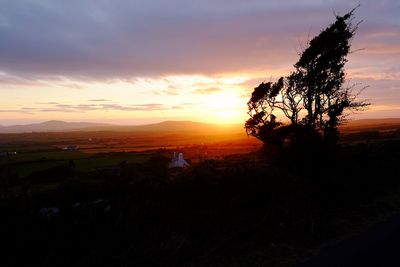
<point>313,98</point>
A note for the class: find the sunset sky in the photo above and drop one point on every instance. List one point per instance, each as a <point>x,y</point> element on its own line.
<point>142,61</point>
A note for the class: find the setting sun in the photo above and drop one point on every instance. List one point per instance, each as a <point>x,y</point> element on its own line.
<point>227,107</point>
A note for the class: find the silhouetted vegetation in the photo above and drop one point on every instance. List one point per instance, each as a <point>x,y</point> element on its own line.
<point>243,210</point>
<point>313,98</point>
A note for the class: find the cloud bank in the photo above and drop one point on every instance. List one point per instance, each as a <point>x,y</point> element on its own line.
<point>99,39</point>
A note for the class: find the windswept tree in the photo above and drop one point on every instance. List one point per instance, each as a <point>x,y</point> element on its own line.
<point>313,98</point>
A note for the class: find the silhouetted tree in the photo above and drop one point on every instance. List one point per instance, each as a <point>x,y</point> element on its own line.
<point>313,97</point>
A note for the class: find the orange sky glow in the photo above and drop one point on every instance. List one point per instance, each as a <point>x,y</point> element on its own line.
<point>197,63</point>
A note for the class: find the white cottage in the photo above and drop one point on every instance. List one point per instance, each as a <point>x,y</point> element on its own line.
<point>178,161</point>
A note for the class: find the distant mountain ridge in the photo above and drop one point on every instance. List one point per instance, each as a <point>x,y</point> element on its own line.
<point>166,126</point>
<point>49,126</point>
<point>174,126</point>
<point>371,124</point>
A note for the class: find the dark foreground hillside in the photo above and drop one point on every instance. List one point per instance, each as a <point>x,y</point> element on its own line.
<point>242,211</point>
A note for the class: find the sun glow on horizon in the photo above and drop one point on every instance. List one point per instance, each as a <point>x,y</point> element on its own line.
<point>226,107</point>
<point>214,99</point>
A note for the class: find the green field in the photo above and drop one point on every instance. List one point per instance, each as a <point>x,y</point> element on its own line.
<point>41,151</point>
<point>24,164</point>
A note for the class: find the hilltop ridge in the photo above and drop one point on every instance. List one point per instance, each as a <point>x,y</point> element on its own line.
<point>177,126</point>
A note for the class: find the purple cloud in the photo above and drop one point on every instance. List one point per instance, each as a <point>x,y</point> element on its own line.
<point>102,40</point>
<point>55,107</point>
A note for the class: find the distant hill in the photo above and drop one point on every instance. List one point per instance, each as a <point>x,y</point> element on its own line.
<point>179,127</point>
<point>371,124</point>
<point>173,127</point>
<point>166,126</point>
<point>49,126</point>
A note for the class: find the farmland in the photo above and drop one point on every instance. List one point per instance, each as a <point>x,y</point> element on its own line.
<point>40,151</point>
